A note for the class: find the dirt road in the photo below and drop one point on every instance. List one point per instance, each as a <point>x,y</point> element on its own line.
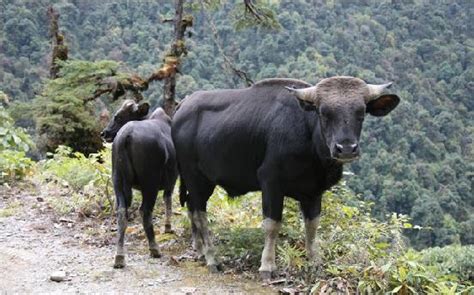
<point>35,243</point>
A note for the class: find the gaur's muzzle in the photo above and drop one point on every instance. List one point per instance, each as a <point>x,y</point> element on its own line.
<point>345,152</point>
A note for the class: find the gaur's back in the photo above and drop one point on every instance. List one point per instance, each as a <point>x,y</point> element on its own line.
<point>239,128</point>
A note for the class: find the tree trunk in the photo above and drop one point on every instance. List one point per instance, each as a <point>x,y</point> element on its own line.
<point>173,58</point>
<point>60,50</point>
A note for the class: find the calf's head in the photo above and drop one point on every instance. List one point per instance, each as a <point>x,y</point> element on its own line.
<point>129,111</point>
<point>342,103</point>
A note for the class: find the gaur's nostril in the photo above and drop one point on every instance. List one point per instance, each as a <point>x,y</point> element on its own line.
<point>102,134</point>
<point>354,147</point>
<point>339,148</point>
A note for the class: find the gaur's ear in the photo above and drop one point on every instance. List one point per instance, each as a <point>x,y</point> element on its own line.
<point>143,108</point>
<point>307,106</point>
<point>382,105</point>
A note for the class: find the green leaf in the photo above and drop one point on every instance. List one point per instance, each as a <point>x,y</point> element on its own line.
<point>407,225</point>
<point>396,289</point>
<point>385,268</point>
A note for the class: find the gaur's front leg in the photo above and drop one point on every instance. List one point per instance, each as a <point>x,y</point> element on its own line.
<point>272,205</point>
<point>311,210</point>
<point>268,265</point>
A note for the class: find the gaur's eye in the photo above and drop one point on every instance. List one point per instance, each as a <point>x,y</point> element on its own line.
<point>326,115</point>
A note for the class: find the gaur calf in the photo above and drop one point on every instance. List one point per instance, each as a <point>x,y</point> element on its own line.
<point>144,158</point>
<point>283,137</point>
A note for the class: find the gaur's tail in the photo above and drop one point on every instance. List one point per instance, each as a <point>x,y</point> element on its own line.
<point>183,192</point>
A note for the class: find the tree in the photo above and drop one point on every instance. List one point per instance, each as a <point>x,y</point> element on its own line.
<point>173,57</point>
<point>60,50</point>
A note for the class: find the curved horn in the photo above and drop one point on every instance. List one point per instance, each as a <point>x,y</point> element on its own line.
<point>307,94</point>
<point>375,90</point>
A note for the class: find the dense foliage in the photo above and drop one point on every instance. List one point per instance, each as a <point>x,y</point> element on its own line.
<point>417,161</point>
<point>357,253</point>
<point>64,112</point>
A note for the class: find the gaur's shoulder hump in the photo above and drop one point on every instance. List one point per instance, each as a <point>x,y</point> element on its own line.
<point>275,82</point>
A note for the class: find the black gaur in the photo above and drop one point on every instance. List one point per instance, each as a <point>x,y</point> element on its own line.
<point>283,137</point>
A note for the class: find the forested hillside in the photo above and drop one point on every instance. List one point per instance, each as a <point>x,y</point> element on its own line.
<point>418,161</point>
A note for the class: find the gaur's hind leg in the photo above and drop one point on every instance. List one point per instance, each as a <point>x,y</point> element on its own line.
<point>203,239</point>
<point>200,189</point>
<point>311,210</point>
<point>197,241</point>
<point>168,210</point>
<point>146,210</point>
<point>123,200</point>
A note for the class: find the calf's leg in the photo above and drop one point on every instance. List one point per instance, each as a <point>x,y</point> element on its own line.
<point>146,210</point>
<point>122,220</point>
<point>168,210</point>
<point>123,195</point>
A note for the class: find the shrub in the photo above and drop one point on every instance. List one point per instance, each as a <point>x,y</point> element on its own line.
<point>14,165</point>
<point>452,260</point>
<point>237,231</point>
<point>87,177</point>
<point>14,143</point>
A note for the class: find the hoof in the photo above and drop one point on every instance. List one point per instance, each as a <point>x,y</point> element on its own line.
<point>119,261</point>
<point>155,253</point>
<point>266,275</point>
<point>168,229</point>
<point>214,268</point>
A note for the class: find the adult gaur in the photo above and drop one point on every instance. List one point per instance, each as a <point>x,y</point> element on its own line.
<point>143,157</point>
<point>283,137</point>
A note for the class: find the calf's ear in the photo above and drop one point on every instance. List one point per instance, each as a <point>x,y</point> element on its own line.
<point>382,105</point>
<point>143,108</point>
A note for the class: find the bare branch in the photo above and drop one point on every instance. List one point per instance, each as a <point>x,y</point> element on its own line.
<point>253,10</point>
<point>227,60</point>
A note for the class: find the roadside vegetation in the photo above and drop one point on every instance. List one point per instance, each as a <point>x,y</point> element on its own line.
<point>14,144</point>
<point>358,253</point>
